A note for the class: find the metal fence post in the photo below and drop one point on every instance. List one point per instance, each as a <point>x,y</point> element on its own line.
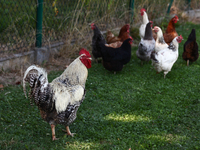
<point>39,23</point>
<point>131,6</point>
<point>170,4</point>
<point>189,2</point>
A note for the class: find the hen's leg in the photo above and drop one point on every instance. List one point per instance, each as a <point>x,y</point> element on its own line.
<point>68,131</point>
<point>53,132</point>
<point>187,62</point>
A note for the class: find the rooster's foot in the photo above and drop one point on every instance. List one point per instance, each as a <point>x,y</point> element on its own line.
<point>68,132</point>
<point>54,138</point>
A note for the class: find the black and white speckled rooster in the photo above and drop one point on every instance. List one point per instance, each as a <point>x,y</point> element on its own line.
<point>59,100</point>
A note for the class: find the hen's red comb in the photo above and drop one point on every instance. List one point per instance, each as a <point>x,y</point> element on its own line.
<point>84,51</point>
<point>181,36</point>
<point>176,17</point>
<point>131,38</point>
<point>127,26</point>
<point>141,10</point>
<point>92,26</point>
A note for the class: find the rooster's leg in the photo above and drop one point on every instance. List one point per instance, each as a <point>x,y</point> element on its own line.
<point>53,132</point>
<point>68,131</point>
<point>187,62</point>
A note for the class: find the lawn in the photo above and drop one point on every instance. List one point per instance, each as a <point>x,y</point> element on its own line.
<point>135,108</point>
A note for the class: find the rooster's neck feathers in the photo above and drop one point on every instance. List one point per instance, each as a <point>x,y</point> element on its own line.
<point>76,68</point>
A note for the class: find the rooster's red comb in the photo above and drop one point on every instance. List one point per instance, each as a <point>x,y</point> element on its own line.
<point>85,52</point>
<point>141,10</point>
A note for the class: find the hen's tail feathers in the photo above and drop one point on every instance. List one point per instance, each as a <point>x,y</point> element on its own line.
<point>32,75</point>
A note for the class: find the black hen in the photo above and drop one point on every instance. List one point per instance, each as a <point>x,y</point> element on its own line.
<point>191,48</point>
<point>115,58</point>
<point>96,40</point>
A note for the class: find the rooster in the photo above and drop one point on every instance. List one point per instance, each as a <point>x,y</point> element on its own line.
<point>160,42</point>
<point>59,100</point>
<point>145,20</point>
<point>115,58</point>
<point>146,45</point>
<point>123,35</point>
<point>96,40</point>
<point>170,32</point>
<point>165,59</point>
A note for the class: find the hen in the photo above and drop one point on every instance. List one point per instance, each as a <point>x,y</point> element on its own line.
<point>170,32</point>
<point>115,58</point>
<point>123,35</point>
<point>59,100</point>
<point>191,48</point>
<point>160,42</point>
<point>114,45</point>
<point>164,59</point>
<point>96,40</point>
<point>146,45</point>
<point>145,20</point>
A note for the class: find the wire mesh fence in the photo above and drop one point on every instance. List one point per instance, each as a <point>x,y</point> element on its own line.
<point>17,25</point>
<point>18,19</point>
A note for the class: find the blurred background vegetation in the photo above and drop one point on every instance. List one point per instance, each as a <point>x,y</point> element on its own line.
<point>71,21</point>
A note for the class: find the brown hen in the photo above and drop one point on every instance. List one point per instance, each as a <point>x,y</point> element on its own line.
<point>123,35</point>
<point>191,48</point>
<point>170,32</point>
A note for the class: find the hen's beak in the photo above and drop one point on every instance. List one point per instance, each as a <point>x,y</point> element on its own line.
<point>90,58</point>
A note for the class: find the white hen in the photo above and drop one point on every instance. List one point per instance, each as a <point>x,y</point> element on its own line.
<point>160,42</point>
<point>165,59</point>
<point>145,20</point>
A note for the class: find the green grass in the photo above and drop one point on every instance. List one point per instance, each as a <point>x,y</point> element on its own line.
<point>135,108</point>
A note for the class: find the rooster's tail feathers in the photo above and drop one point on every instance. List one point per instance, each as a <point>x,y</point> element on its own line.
<point>32,75</point>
